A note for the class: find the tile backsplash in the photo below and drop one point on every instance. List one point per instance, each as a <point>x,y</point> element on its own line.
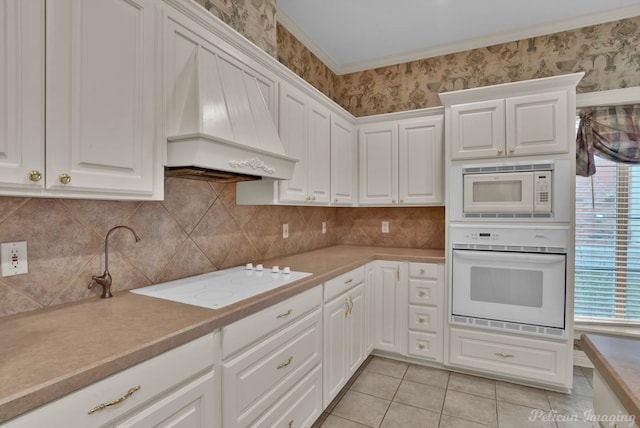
<point>198,228</point>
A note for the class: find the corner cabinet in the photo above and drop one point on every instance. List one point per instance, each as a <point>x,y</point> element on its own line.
<point>187,395</point>
<point>95,88</point>
<point>514,119</point>
<point>401,162</point>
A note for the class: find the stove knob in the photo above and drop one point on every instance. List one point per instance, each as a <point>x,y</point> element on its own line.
<point>259,268</point>
<point>286,270</point>
<point>275,269</point>
<point>248,266</point>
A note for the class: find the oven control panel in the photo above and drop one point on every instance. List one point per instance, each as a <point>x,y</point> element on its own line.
<point>510,235</point>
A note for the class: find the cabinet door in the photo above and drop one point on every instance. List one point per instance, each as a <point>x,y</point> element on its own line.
<point>343,162</point>
<point>335,345</point>
<point>190,406</point>
<point>477,130</point>
<point>355,329</point>
<point>378,155</point>
<point>420,161</point>
<point>101,103</point>
<point>319,157</point>
<point>390,306</point>
<point>537,124</point>
<point>21,93</point>
<point>293,130</point>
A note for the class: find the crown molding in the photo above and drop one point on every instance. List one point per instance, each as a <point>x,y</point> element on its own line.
<point>475,43</point>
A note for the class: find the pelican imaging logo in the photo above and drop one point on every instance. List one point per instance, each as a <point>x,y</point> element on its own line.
<point>613,420</point>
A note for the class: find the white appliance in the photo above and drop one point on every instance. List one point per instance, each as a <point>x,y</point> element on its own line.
<point>509,277</point>
<point>510,191</point>
<point>218,289</point>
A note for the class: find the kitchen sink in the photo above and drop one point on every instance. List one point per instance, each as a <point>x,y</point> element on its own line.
<point>221,288</point>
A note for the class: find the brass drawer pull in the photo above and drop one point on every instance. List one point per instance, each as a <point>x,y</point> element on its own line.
<point>65,178</point>
<point>422,271</point>
<point>291,423</point>
<point>501,355</point>
<point>422,294</point>
<point>286,314</point>
<point>283,365</point>
<point>348,281</point>
<point>421,346</point>
<point>421,320</point>
<point>102,406</point>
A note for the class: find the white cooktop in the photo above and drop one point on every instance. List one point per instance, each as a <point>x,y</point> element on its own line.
<point>221,288</point>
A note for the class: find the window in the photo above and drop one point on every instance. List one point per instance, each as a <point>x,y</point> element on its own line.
<point>607,271</point>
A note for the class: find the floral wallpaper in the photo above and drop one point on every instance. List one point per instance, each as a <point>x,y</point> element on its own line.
<point>254,19</point>
<point>607,53</point>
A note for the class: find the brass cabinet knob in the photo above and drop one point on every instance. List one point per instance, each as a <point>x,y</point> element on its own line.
<point>421,320</point>
<point>422,271</point>
<point>421,346</point>
<point>402,201</point>
<point>313,198</point>
<point>500,151</point>
<point>512,151</point>
<point>393,201</point>
<point>336,200</point>
<point>422,294</point>
<point>35,175</point>
<point>65,178</point>
<point>308,198</point>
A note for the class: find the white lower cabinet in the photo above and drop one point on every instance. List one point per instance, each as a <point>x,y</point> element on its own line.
<point>528,359</point>
<point>390,305</point>
<point>186,395</point>
<point>426,311</point>
<point>606,404</point>
<point>258,380</point>
<point>344,331</point>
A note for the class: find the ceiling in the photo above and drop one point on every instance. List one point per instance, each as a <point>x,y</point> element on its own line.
<point>354,35</point>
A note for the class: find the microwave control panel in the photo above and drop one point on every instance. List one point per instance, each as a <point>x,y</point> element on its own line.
<point>542,191</point>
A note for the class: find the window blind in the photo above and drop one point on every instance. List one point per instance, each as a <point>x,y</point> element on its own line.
<point>607,268</point>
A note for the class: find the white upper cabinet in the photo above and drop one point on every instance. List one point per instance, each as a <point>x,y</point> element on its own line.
<point>526,118</point>
<point>401,162</point>
<point>100,137</point>
<point>21,95</point>
<point>420,173</point>
<point>378,164</point>
<point>343,162</point>
<point>305,130</point>
<point>101,96</point>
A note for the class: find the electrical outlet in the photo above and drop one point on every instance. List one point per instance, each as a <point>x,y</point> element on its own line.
<point>14,258</point>
<point>324,227</point>
<point>285,230</point>
<point>385,227</point>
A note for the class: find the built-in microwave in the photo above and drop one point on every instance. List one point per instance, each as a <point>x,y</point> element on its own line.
<point>519,191</point>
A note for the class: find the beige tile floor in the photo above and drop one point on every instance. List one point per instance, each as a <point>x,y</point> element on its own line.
<point>393,394</point>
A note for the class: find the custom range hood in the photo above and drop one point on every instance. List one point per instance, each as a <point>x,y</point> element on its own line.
<point>219,126</point>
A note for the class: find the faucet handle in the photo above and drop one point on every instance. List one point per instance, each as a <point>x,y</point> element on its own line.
<point>104,281</point>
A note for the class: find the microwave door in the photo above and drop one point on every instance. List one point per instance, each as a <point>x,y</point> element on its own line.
<point>504,192</point>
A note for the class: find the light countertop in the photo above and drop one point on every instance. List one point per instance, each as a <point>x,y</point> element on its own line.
<point>48,353</point>
<point>618,362</point>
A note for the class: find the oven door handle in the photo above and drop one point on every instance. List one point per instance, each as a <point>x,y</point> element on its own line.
<point>506,256</point>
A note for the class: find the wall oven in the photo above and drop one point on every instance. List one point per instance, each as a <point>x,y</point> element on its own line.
<point>509,278</point>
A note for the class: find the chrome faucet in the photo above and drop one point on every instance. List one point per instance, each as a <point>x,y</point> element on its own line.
<point>105,279</point>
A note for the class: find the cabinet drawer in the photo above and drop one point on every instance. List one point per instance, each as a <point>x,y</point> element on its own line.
<point>423,270</point>
<point>342,283</point>
<point>255,379</point>
<point>154,377</point>
<point>425,345</point>
<point>537,360</point>
<point>425,319</point>
<point>425,292</point>
<point>300,407</point>
<point>261,324</point>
